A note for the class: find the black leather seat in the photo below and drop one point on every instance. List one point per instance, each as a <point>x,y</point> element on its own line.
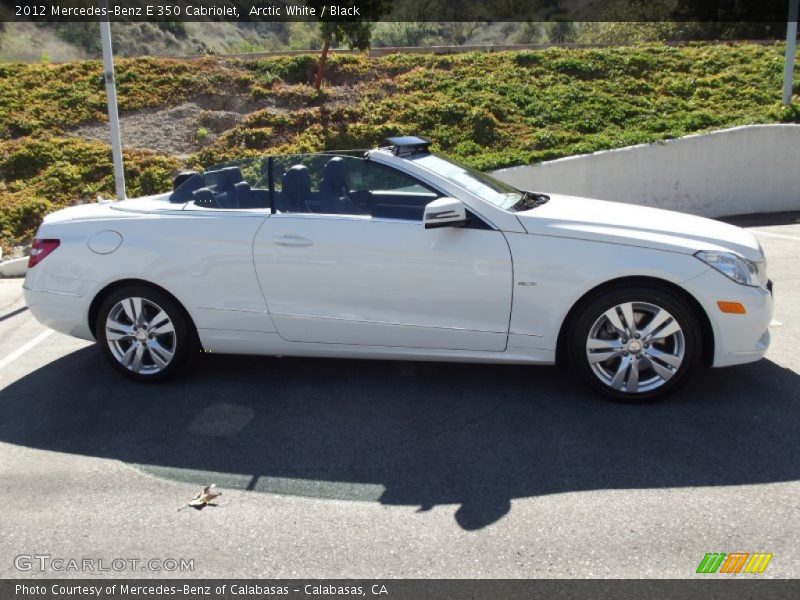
<point>242,197</point>
<point>190,183</point>
<point>227,180</point>
<point>205,197</point>
<point>231,176</point>
<point>295,190</point>
<point>333,188</point>
<point>259,198</point>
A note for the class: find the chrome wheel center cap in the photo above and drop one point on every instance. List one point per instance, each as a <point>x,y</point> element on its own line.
<point>634,346</point>
<point>141,335</point>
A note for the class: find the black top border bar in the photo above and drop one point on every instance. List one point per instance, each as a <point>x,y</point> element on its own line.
<point>395,10</point>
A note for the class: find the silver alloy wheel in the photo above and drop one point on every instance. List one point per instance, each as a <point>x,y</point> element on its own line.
<point>635,347</point>
<point>140,335</point>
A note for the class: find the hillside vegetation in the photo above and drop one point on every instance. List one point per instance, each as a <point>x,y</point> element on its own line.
<point>626,22</point>
<point>489,109</point>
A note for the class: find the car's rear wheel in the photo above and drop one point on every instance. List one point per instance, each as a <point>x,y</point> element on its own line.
<point>144,333</point>
<point>635,344</point>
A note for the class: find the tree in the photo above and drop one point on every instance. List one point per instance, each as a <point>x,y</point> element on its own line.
<point>355,31</point>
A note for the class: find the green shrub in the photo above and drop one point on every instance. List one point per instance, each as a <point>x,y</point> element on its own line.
<point>490,110</point>
<point>38,175</point>
<point>20,215</point>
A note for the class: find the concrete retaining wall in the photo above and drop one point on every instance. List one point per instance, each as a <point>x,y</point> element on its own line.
<point>750,169</point>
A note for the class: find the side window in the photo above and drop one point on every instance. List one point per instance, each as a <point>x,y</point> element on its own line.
<point>377,178</point>
<point>345,185</point>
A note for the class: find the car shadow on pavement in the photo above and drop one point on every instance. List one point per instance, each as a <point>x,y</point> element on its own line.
<point>410,433</point>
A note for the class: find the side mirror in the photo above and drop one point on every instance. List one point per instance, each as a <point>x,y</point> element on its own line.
<point>444,212</point>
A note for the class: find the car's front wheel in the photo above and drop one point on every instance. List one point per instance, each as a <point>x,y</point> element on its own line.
<point>634,344</point>
<point>144,333</point>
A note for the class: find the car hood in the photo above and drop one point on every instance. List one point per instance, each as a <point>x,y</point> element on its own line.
<point>630,224</point>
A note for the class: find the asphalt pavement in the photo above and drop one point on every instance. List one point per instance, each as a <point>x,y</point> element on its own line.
<point>341,468</point>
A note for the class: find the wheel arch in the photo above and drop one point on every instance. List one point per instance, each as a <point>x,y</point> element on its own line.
<point>112,287</point>
<point>707,332</point>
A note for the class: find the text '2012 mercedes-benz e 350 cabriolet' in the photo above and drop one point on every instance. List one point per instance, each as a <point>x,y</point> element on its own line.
<point>399,253</point>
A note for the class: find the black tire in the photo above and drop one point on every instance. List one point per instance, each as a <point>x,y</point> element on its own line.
<point>609,378</point>
<point>181,341</point>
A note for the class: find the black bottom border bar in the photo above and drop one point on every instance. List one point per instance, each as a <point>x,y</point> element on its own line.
<point>399,589</point>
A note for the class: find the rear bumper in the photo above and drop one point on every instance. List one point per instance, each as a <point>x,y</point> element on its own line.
<point>63,311</point>
<point>738,338</point>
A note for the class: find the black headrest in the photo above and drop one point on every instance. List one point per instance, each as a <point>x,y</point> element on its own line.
<point>233,175</point>
<point>335,172</point>
<point>181,177</point>
<point>242,186</point>
<point>186,184</point>
<point>296,185</point>
<point>223,179</point>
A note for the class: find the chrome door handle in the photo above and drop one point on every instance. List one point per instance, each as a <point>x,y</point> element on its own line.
<point>291,240</point>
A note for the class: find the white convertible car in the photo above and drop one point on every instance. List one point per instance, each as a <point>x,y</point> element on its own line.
<point>399,253</point>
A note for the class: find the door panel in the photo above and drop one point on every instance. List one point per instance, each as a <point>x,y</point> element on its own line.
<point>356,280</point>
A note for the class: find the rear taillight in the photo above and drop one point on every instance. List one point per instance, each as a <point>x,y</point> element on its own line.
<point>40,249</point>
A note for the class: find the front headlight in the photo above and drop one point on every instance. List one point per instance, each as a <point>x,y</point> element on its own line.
<point>735,267</point>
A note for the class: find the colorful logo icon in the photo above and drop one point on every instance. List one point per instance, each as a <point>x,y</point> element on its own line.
<point>734,562</point>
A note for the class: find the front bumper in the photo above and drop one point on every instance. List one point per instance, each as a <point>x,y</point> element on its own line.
<point>738,338</point>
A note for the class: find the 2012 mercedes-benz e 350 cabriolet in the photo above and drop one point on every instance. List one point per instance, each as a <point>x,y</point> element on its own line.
<point>399,253</point>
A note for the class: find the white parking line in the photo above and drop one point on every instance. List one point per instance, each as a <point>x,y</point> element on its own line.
<point>777,235</point>
<point>24,348</point>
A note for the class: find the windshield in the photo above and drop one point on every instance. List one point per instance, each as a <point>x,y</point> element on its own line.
<point>482,185</point>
